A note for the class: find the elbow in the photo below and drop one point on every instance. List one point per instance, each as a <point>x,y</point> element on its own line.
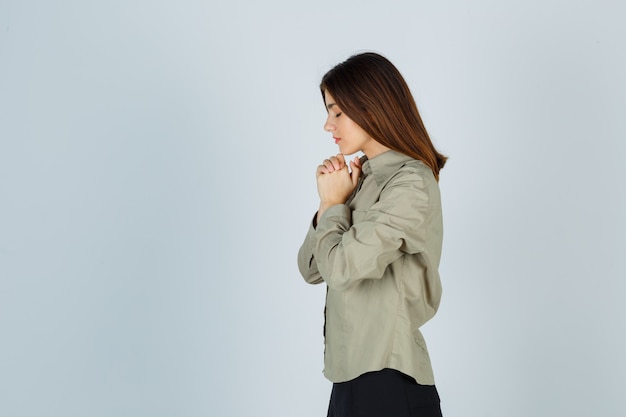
<point>310,273</point>
<point>313,279</point>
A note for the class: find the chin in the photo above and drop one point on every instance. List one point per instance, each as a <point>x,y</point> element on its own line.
<point>347,151</point>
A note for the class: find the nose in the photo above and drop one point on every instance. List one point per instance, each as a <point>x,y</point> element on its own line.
<point>328,126</point>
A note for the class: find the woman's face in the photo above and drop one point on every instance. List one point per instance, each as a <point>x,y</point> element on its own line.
<point>350,137</point>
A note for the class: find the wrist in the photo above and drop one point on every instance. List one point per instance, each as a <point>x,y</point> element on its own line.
<point>324,205</point>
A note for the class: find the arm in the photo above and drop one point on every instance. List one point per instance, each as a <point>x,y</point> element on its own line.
<point>354,246</point>
<point>306,261</point>
<point>335,183</point>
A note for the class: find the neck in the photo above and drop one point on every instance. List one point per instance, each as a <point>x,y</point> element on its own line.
<point>375,149</point>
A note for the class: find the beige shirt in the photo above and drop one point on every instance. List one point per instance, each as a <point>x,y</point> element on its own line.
<point>378,254</point>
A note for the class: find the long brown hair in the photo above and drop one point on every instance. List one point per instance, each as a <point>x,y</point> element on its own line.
<point>370,90</point>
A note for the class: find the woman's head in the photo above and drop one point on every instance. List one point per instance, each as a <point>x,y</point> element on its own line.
<point>370,90</point>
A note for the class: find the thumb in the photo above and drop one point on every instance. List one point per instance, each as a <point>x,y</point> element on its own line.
<point>356,171</point>
<point>342,160</point>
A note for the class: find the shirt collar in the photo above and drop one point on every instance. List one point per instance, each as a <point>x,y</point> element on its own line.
<point>384,165</point>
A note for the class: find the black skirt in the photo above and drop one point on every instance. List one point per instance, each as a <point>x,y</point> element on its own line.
<point>386,393</point>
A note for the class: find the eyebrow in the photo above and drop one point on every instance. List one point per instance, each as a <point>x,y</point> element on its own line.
<point>330,105</point>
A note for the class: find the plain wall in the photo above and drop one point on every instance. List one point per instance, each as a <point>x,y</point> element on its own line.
<point>157,178</point>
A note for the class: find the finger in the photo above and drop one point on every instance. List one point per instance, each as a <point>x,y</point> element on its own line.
<point>336,162</point>
<point>321,169</point>
<point>356,172</point>
<point>327,163</point>
<point>341,160</point>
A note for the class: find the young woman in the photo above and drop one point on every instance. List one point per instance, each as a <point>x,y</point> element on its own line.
<point>376,243</point>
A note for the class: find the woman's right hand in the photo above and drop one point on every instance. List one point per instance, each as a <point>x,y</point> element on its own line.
<point>335,183</point>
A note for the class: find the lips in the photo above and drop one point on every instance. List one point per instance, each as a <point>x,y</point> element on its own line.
<point>336,140</point>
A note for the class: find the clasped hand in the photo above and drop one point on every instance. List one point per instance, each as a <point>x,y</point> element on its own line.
<point>335,183</point>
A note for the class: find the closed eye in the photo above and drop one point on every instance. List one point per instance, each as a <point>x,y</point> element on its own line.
<point>338,114</point>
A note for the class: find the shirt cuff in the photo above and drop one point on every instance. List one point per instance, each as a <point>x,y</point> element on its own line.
<point>339,213</point>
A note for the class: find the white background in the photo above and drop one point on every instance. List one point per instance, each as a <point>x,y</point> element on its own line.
<point>157,178</point>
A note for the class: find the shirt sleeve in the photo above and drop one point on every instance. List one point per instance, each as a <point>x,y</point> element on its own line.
<point>351,246</point>
<point>306,261</point>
